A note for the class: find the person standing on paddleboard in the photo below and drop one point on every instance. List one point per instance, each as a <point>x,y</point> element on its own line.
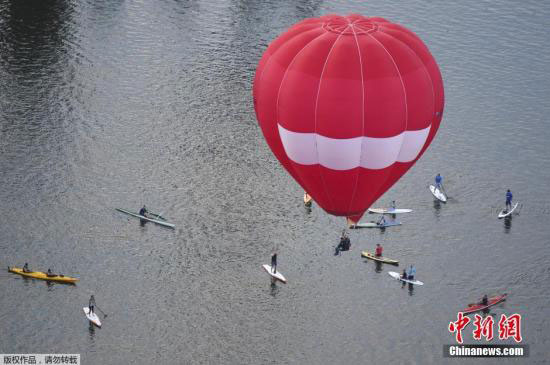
<point>412,273</point>
<point>274,262</point>
<point>509,197</point>
<point>378,251</point>
<point>438,181</point>
<point>91,304</point>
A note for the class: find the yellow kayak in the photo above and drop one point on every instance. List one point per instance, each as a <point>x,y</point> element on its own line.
<point>43,275</point>
<point>385,260</point>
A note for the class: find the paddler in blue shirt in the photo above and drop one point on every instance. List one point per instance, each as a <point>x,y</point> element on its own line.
<point>508,200</point>
<point>412,272</point>
<point>143,211</point>
<point>438,181</point>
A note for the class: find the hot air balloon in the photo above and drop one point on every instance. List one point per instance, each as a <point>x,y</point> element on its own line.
<point>348,104</point>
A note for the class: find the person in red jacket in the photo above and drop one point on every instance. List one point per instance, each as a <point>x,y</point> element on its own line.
<point>378,251</point>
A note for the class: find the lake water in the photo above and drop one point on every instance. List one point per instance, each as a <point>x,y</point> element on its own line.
<point>108,104</point>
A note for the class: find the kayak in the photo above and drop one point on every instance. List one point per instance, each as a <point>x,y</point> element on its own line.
<point>479,307</point>
<point>397,276</point>
<point>506,213</point>
<point>92,317</point>
<point>307,199</point>
<point>157,221</point>
<point>276,275</point>
<point>438,194</point>
<point>382,259</point>
<point>389,211</point>
<point>43,276</point>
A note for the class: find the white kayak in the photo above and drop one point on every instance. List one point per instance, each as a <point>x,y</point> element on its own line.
<point>397,276</point>
<point>438,194</point>
<point>352,225</point>
<point>389,211</point>
<point>506,213</point>
<point>276,275</point>
<point>92,317</point>
<point>157,221</point>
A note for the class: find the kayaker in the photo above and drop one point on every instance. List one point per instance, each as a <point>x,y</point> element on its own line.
<point>91,304</point>
<point>50,273</point>
<point>508,199</point>
<point>393,204</point>
<point>274,262</point>
<point>484,300</point>
<point>381,221</point>
<point>412,273</point>
<point>143,211</point>
<point>378,251</point>
<point>26,268</point>
<point>404,275</point>
<point>438,181</point>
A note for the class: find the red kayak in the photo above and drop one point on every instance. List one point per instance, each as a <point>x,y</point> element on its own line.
<point>479,307</point>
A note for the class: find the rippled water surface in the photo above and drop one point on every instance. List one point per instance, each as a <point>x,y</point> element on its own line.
<point>108,104</point>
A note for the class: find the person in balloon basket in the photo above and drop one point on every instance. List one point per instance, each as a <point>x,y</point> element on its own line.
<point>509,197</point>
<point>411,273</point>
<point>378,251</point>
<point>345,242</point>
<point>438,181</point>
<point>274,263</point>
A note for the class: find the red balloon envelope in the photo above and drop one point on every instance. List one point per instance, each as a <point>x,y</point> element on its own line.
<point>348,105</point>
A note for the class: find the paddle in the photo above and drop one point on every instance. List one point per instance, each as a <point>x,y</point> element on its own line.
<point>104,315</point>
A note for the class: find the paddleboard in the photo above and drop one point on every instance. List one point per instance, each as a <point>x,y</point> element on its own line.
<point>479,307</point>
<point>397,276</point>
<point>389,211</point>
<point>373,225</point>
<point>438,194</point>
<point>277,275</point>
<point>92,317</point>
<point>383,259</point>
<point>506,213</point>
<point>307,199</point>
<point>157,221</point>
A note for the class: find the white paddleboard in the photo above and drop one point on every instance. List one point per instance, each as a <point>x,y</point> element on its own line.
<point>397,276</point>
<point>373,225</point>
<point>276,275</point>
<point>389,211</point>
<point>92,317</point>
<point>506,213</point>
<point>438,193</point>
